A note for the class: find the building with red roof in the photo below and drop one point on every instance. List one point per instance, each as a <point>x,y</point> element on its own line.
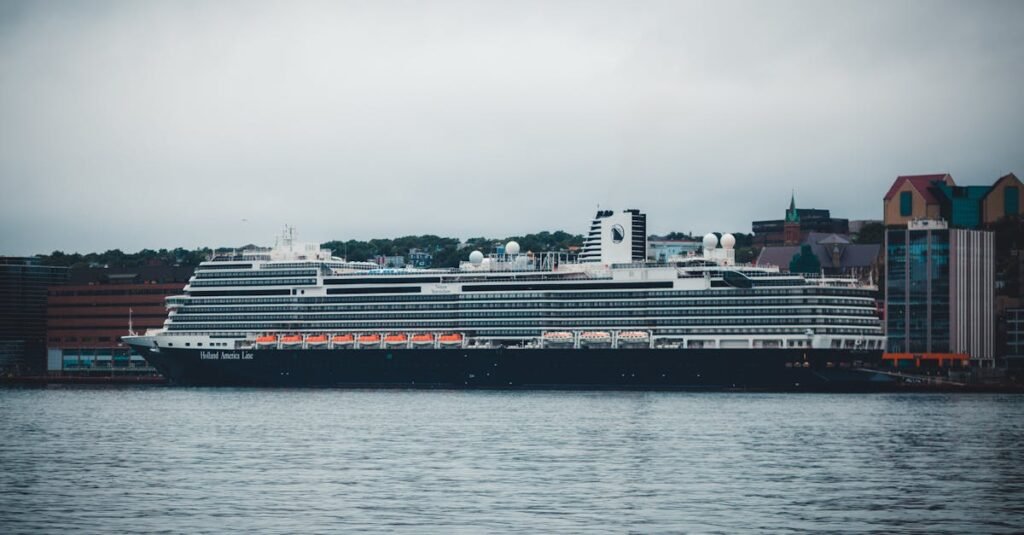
<point>937,196</point>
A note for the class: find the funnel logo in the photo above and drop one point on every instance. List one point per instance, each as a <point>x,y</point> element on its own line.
<point>618,234</point>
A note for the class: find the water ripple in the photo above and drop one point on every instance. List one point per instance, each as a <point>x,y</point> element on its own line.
<point>165,460</point>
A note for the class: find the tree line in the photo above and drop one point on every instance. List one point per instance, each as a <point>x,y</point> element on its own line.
<point>446,251</point>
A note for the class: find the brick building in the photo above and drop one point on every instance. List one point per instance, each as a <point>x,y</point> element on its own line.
<point>86,319</point>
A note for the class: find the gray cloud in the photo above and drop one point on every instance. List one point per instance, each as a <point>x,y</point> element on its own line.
<point>150,124</point>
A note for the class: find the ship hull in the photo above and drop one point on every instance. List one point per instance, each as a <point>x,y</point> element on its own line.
<point>635,369</point>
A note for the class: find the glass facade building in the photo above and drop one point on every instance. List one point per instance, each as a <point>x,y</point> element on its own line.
<point>23,288</point>
<point>939,290</point>
<point>1015,332</point>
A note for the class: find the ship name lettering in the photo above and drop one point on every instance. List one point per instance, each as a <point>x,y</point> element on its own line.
<point>225,355</point>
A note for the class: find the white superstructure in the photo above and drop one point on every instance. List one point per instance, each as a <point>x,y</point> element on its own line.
<point>519,300</point>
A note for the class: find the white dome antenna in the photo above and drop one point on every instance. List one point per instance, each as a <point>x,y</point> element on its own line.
<point>728,241</point>
<point>512,248</point>
<point>476,258</point>
<point>710,241</point>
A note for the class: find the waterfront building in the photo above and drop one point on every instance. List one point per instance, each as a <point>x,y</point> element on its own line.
<point>796,226</point>
<point>387,261</point>
<point>1014,326</point>
<point>836,253</point>
<point>23,286</point>
<point>418,258</point>
<point>661,250</point>
<point>939,291</point>
<point>937,196</point>
<point>86,319</point>
<point>1015,331</point>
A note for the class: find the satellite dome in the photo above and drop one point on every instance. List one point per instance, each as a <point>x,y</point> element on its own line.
<point>476,257</point>
<point>710,241</point>
<point>728,241</point>
<point>512,248</point>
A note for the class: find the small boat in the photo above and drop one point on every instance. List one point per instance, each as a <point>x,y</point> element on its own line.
<point>399,339</point>
<point>343,340</point>
<point>369,340</point>
<point>422,339</point>
<point>451,340</point>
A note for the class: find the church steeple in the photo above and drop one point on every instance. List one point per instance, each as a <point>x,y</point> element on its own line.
<point>791,229</point>
<point>791,215</point>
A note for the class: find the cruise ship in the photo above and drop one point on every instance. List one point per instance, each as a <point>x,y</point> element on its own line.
<point>294,315</point>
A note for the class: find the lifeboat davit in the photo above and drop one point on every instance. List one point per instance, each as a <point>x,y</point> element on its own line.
<point>343,340</point>
<point>449,340</point>
<point>266,340</point>
<point>316,340</point>
<point>291,340</point>
<point>423,339</point>
<point>369,340</point>
<point>396,339</point>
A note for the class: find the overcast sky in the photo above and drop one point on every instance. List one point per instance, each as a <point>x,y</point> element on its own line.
<point>158,124</point>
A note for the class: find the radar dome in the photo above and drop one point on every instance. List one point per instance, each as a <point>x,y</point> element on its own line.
<point>728,241</point>
<point>476,257</point>
<point>512,248</point>
<point>710,241</point>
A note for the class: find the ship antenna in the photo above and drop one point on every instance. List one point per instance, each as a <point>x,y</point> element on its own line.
<point>131,332</point>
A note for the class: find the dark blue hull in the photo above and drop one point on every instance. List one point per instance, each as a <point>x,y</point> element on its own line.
<point>640,369</point>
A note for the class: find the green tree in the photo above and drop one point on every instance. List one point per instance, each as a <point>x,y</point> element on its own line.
<point>871,233</point>
<point>805,261</point>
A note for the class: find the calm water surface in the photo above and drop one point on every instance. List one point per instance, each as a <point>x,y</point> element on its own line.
<point>198,460</point>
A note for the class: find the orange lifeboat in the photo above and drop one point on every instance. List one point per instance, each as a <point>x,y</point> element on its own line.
<point>453,339</point>
<point>291,339</point>
<point>396,339</point>
<point>344,340</point>
<point>369,340</point>
<point>422,339</point>
<point>266,339</point>
<point>316,340</point>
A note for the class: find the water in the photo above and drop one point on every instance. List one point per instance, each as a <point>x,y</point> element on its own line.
<point>273,461</point>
